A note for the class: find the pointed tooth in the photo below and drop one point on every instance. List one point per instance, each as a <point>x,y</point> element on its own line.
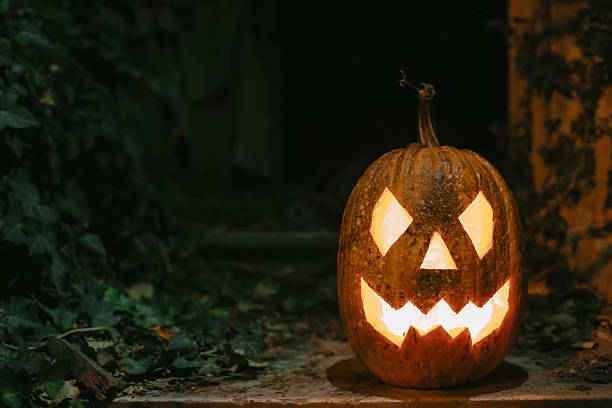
<point>462,335</point>
<point>436,334</point>
<point>454,332</point>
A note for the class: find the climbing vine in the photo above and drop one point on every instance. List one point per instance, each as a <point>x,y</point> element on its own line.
<point>569,156</point>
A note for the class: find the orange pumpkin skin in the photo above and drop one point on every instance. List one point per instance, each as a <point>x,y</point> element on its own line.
<point>434,184</point>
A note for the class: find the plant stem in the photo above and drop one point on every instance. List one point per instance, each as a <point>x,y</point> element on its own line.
<point>427,131</point>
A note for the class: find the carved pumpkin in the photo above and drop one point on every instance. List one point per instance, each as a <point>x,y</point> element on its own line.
<point>429,266</point>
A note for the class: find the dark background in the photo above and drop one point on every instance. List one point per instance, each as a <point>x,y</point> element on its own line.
<point>340,63</point>
<point>174,172</point>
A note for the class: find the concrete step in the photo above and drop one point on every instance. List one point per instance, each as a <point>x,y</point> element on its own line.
<point>326,373</point>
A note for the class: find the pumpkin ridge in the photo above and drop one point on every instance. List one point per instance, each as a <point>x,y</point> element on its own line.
<point>435,185</point>
<point>501,221</point>
<point>477,277</point>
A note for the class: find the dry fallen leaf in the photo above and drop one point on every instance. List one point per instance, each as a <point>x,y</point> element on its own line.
<point>67,391</point>
<point>262,291</point>
<point>257,364</point>
<point>141,291</point>
<point>166,333</point>
<point>104,357</point>
<point>98,345</point>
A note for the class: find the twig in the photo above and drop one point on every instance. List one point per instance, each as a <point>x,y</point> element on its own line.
<point>33,348</point>
<point>10,347</point>
<point>403,82</point>
<point>66,334</point>
<point>87,330</point>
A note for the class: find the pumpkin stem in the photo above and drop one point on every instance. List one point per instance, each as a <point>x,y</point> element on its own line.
<point>427,131</point>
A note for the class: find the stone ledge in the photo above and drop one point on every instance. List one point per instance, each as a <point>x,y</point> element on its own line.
<point>327,374</point>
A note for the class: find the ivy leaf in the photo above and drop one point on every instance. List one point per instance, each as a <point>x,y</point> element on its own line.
<point>75,403</point>
<point>42,213</point>
<point>247,345</point>
<point>93,243</point>
<point>32,361</point>
<point>74,202</point>
<point>58,272</point>
<point>136,367</point>
<point>182,341</point>
<point>182,362</point>
<point>11,398</point>
<point>31,35</point>
<point>13,115</point>
<point>100,311</point>
<point>5,44</point>
<point>209,367</point>
<point>20,314</point>
<point>43,243</point>
<point>26,190</point>
<point>13,228</point>
<point>62,317</point>
<point>26,194</point>
<point>14,143</point>
<point>5,60</point>
<point>16,116</point>
<point>14,233</point>
<point>51,388</point>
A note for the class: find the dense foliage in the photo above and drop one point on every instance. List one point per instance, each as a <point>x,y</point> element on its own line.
<point>82,220</point>
<point>569,154</point>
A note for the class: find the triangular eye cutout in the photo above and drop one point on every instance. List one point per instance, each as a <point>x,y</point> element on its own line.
<point>389,221</point>
<point>438,256</point>
<point>477,220</point>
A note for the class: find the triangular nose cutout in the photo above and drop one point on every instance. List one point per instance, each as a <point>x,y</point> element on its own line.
<point>438,256</point>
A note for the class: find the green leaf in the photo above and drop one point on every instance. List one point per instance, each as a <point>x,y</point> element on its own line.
<point>33,362</point>
<point>100,311</point>
<point>43,243</point>
<point>75,403</point>
<point>16,144</point>
<point>20,314</point>
<point>42,213</point>
<point>16,117</point>
<point>58,272</point>
<point>136,367</point>
<point>32,36</point>
<point>25,190</point>
<point>209,367</point>
<point>5,60</point>
<point>11,399</point>
<point>15,233</point>
<point>182,362</point>
<point>119,301</point>
<point>93,243</point>
<point>246,344</point>
<point>5,44</point>
<point>52,387</point>
<point>74,202</point>
<point>15,321</point>
<point>182,341</point>
<point>13,229</point>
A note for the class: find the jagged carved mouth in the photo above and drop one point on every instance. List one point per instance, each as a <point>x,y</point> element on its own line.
<point>394,324</point>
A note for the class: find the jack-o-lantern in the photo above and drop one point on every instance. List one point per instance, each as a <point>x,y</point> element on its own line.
<point>430,285</point>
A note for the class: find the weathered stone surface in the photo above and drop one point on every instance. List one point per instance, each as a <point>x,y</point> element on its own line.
<point>328,375</point>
